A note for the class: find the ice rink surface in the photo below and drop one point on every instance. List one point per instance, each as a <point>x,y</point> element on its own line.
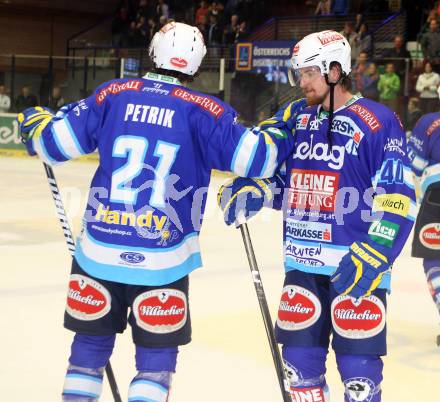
<point>229,358</point>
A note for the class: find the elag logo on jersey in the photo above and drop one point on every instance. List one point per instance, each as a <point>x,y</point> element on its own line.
<point>313,190</point>
<point>203,101</point>
<point>430,236</point>
<point>368,117</point>
<point>299,308</point>
<point>116,88</point>
<point>87,299</point>
<point>161,311</point>
<point>358,319</point>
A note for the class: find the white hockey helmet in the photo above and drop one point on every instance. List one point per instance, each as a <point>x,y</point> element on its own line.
<point>179,47</point>
<point>320,49</point>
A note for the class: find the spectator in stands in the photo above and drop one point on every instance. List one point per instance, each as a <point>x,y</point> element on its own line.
<point>217,9</point>
<point>141,32</point>
<point>215,32</point>
<point>5,100</point>
<point>25,99</point>
<point>389,86</point>
<point>163,10</point>
<point>430,43</point>
<point>359,20</point>
<point>340,7</point>
<point>56,100</point>
<point>324,7</point>
<point>358,69</point>
<point>352,38</point>
<point>427,84</point>
<point>120,28</point>
<point>242,31</point>
<point>364,40</point>
<point>146,10</point>
<point>413,114</point>
<point>152,27</point>
<point>202,13</point>
<point>231,30</point>
<point>397,55</point>
<point>370,79</point>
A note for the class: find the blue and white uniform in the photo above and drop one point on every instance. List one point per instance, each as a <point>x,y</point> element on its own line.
<point>157,142</point>
<point>424,152</point>
<point>330,185</point>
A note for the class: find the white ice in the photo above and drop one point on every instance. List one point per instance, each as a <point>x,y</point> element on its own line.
<point>229,358</point>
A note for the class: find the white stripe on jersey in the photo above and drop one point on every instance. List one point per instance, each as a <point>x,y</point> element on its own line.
<point>244,153</point>
<point>66,139</point>
<point>154,259</point>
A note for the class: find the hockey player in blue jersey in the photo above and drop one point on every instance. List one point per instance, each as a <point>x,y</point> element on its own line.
<point>157,141</point>
<point>424,153</point>
<point>348,203</point>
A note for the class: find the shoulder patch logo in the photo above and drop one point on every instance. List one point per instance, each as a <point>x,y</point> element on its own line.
<point>434,125</point>
<point>204,102</point>
<point>116,88</point>
<point>368,117</point>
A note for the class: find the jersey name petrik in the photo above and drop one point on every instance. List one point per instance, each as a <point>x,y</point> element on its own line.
<point>149,114</point>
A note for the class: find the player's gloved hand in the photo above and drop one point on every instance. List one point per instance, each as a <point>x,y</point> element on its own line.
<point>360,270</point>
<point>244,197</point>
<point>31,122</point>
<point>285,117</point>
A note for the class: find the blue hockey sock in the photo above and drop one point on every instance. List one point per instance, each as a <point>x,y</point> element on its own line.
<point>89,356</point>
<point>155,368</point>
<point>432,271</point>
<point>82,384</point>
<point>306,372</point>
<point>362,375</point>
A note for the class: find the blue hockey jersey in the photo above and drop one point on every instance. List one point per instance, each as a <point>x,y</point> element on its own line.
<point>157,141</point>
<point>424,150</point>
<point>356,185</point>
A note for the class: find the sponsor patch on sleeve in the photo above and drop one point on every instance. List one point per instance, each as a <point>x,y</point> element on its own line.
<point>384,232</point>
<point>208,104</point>
<point>116,88</point>
<point>367,116</point>
<point>434,126</point>
<point>394,203</point>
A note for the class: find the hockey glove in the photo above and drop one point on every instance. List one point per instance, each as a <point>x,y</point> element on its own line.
<point>360,270</point>
<point>285,117</point>
<point>31,123</point>
<point>244,197</point>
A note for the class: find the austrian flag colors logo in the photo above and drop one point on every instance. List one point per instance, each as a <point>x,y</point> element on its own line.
<point>299,309</point>
<point>161,311</point>
<point>178,62</point>
<point>358,319</point>
<point>430,236</point>
<point>87,299</point>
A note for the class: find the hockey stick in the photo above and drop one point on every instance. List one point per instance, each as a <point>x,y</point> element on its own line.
<point>61,212</point>
<point>277,359</point>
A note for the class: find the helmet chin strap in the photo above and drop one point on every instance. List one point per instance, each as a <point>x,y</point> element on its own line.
<point>332,86</point>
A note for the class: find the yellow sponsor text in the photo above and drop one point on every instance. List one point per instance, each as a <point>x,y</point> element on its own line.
<point>148,219</point>
<point>394,203</point>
